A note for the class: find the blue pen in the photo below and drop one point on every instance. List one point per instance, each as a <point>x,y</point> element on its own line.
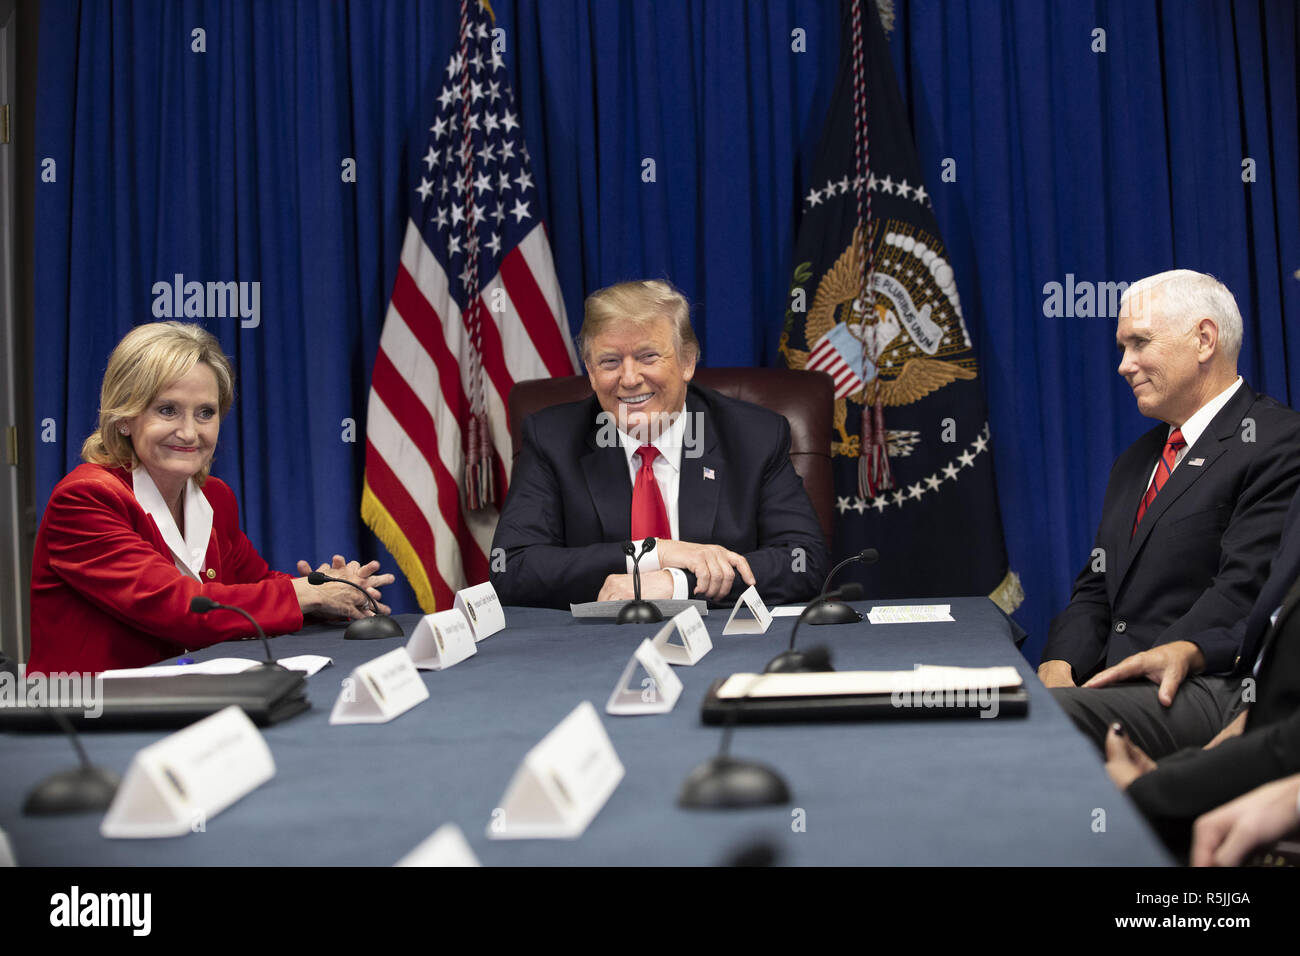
<point>186,660</point>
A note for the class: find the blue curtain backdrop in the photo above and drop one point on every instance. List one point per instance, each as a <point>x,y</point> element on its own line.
<point>226,165</point>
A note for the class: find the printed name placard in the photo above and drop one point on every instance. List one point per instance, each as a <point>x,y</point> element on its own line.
<point>694,641</point>
<point>750,615</point>
<point>379,690</point>
<point>441,640</point>
<point>562,783</point>
<point>175,786</point>
<point>655,693</point>
<point>446,847</point>
<point>482,608</point>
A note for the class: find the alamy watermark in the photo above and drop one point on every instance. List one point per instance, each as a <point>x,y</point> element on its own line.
<point>179,299</point>
<point>66,691</point>
<point>647,428</point>
<point>984,699</point>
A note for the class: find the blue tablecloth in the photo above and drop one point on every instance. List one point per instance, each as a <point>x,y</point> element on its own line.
<point>1008,791</point>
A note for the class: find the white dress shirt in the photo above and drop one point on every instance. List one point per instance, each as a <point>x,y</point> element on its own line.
<point>667,470</point>
<point>1195,426</point>
<point>189,550</point>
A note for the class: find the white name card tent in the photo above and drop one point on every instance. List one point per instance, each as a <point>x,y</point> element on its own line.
<point>693,640</point>
<point>750,615</point>
<point>482,608</point>
<point>562,783</point>
<point>379,690</point>
<point>447,846</point>
<point>177,785</point>
<point>655,693</point>
<point>441,640</point>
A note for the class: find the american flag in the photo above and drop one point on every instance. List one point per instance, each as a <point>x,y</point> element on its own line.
<point>839,354</point>
<point>476,307</point>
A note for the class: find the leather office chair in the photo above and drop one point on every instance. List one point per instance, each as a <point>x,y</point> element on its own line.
<point>806,399</point>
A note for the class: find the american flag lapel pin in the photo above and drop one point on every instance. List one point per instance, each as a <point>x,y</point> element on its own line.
<point>1196,462</point>
<point>708,474</point>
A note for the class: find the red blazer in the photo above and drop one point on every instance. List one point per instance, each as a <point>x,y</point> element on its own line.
<point>106,592</point>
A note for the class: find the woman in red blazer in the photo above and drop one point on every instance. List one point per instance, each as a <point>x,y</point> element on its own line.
<point>132,535</point>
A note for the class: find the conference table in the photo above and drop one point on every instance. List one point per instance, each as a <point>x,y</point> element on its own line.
<point>1007,791</point>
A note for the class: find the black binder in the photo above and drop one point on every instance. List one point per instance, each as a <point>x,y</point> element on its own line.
<point>148,703</point>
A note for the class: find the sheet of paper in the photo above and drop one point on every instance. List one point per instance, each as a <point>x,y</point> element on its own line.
<point>788,610</point>
<point>910,613</point>
<point>220,665</point>
<point>833,683</point>
<point>308,663</point>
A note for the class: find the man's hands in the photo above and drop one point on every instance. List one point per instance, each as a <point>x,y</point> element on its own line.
<point>1224,836</point>
<point>714,567</point>
<point>1125,760</point>
<point>1165,664</point>
<point>1056,674</point>
<point>339,600</point>
<point>654,585</point>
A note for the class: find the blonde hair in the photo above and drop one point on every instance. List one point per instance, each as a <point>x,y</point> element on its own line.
<point>145,362</point>
<point>639,302</point>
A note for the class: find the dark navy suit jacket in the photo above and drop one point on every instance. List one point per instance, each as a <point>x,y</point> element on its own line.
<point>1201,554</point>
<point>1193,781</point>
<point>570,503</point>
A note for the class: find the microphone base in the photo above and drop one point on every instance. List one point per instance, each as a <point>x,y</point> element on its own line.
<point>267,666</point>
<point>798,662</point>
<point>833,612</point>
<point>639,612</point>
<point>373,629</point>
<point>82,790</point>
<point>724,782</point>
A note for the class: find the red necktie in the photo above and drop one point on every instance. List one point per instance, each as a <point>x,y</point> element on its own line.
<point>649,516</point>
<point>1164,469</point>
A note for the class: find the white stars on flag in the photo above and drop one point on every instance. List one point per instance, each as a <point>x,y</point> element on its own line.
<point>929,484</point>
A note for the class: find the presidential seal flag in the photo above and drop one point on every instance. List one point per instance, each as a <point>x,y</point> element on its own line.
<point>476,307</point>
<point>874,304</point>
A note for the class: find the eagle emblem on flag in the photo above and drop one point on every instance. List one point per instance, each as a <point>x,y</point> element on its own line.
<point>912,341</point>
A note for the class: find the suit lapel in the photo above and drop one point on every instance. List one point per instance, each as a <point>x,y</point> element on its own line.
<point>1135,486</point>
<point>1212,444</point>
<point>697,495</point>
<point>609,484</point>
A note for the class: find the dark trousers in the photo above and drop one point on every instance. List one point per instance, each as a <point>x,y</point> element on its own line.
<point>1202,706</point>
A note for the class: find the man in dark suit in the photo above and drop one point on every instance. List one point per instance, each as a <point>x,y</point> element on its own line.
<point>1261,746</point>
<point>649,455</point>
<point>1190,520</point>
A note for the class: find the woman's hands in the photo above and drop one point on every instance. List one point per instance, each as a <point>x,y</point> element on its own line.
<point>339,600</point>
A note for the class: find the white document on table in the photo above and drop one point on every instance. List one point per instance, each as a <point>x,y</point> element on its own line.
<point>910,613</point>
<point>837,683</point>
<point>307,663</point>
<point>788,610</point>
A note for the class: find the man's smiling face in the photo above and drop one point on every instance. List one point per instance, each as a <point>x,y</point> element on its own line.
<point>637,373</point>
<point>1158,359</point>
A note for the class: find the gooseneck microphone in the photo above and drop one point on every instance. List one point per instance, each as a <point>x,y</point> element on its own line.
<point>830,611</point>
<point>815,658</point>
<point>81,790</point>
<point>638,611</point>
<point>363,628</point>
<point>202,605</point>
<point>726,782</point>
